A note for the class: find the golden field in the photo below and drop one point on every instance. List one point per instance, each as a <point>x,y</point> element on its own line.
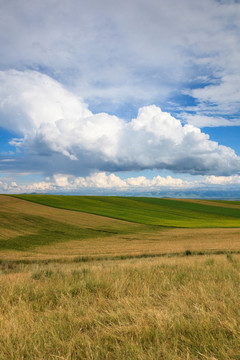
<point>81,286</point>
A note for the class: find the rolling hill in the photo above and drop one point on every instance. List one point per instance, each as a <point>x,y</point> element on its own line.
<point>151,211</point>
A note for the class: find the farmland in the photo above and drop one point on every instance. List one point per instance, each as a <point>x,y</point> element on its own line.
<point>119,278</point>
<point>152,211</point>
<point>33,230</point>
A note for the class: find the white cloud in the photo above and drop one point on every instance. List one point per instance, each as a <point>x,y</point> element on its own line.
<point>102,181</point>
<point>222,180</point>
<point>99,180</point>
<point>30,99</point>
<point>156,182</point>
<point>13,188</point>
<point>225,95</point>
<point>201,121</point>
<point>215,100</point>
<point>60,134</point>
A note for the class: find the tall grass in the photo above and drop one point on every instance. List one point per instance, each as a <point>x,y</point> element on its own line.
<point>182,308</point>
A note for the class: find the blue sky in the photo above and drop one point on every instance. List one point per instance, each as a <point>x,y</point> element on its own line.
<point>120,97</point>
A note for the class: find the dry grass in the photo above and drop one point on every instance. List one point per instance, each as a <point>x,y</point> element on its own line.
<point>166,241</point>
<point>173,309</point>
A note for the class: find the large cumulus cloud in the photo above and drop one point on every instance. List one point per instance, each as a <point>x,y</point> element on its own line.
<point>59,134</point>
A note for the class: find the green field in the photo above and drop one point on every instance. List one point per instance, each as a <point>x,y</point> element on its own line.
<point>151,211</point>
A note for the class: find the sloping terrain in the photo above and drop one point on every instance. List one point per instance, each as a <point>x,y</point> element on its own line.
<point>24,225</point>
<point>151,211</point>
<point>33,231</point>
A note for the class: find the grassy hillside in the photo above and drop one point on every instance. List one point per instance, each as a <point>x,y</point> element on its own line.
<point>152,211</point>
<point>24,226</point>
<point>33,231</point>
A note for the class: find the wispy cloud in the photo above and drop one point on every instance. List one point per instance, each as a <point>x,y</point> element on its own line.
<point>136,52</point>
<point>201,121</point>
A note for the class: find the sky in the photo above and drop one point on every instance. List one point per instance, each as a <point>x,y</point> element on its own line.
<point>132,97</point>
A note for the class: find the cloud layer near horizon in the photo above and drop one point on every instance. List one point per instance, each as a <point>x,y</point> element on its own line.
<point>102,181</point>
<point>59,134</point>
